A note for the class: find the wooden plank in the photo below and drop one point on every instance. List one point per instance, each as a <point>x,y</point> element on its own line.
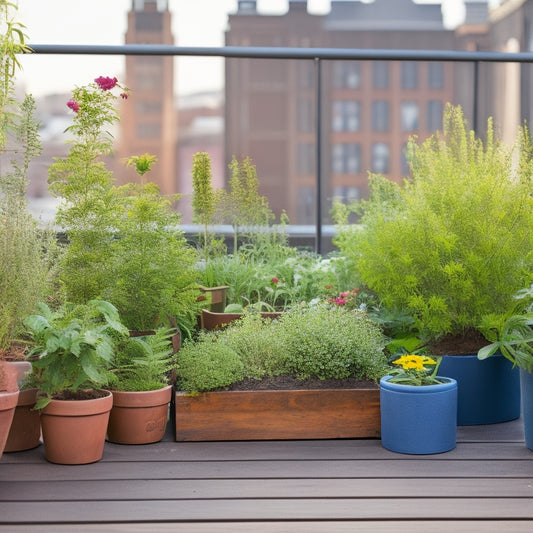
<point>271,469</point>
<point>473,526</point>
<point>267,509</point>
<point>194,489</point>
<point>274,415</point>
<point>279,450</point>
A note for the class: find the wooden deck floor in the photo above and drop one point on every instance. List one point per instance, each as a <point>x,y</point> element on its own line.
<point>484,485</point>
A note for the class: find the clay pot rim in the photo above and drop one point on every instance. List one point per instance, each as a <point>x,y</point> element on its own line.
<point>79,407</point>
<point>151,398</point>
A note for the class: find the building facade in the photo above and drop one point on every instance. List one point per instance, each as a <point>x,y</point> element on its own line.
<point>370,108</point>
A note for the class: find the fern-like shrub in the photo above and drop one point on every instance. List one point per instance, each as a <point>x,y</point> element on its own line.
<point>453,244</point>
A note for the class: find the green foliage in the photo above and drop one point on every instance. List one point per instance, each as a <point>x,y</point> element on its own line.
<point>207,365</point>
<point>318,342</point>
<point>203,201</point>
<point>143,363</point>
<point>28,253</point>
<point>74,345</point>
<point>12,44</point>
<point>453,244</point>
<point>124,242</point>
<point>243,207</point>
<point>331,343</point>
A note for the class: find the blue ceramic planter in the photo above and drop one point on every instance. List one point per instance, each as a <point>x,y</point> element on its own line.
<point>526,382</point>
<point>489,390</point>
<point>418,420</point>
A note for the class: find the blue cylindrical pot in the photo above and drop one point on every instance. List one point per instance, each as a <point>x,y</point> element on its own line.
<point>489,390</point>
<point>418,420</point>
<point>526,382</point>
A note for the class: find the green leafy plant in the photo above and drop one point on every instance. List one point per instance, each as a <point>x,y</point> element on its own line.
<point>454,243</point>
<point>27,251</point>
<point>206,364</point>
<point>73,347</point>
<point>513,336</point>
<point>311,342</point>
<point>415,370</point>
<point>124,242</point>
<point>143,363</point>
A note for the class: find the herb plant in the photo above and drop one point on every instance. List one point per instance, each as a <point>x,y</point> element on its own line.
<point>454,243</point>
<point>73,347</point>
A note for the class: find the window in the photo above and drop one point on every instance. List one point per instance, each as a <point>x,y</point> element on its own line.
<point>380,158</point>
<point>306,115</point>
<point>306,158</point>
<point>346,74</point>
<point>346,159</point>
<point>306,75</point>
<point>409,116</point>
<point>434,115</point>
<point>435,75</point>
<point>148,131</point>
<point>380,75</point>
<point>380,115</point>
<point>306,205</point>
<point>409,75</point>
<point>346,115</point>
<point>346,195</point>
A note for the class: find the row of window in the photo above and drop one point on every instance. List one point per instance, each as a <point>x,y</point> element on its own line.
<point>347,158</point>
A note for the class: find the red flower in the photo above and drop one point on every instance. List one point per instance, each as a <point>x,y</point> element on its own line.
<point>328,287</point>
<point>275,280</point>
<point>124,96</point>
<point>73,105</point>
<point>105,83</point>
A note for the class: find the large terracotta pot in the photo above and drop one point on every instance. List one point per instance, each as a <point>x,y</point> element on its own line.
<point>139,417</point>
<point>8,403</point>
<point>25,432</point>
<point>74,430</point>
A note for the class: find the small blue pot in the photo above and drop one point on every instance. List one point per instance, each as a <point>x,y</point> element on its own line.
<point>526,383</point>
<point>418,420</point>
<point>489,390</point>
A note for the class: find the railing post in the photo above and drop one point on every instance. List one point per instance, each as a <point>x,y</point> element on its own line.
<point>475,103</point>
<point>318,160</point>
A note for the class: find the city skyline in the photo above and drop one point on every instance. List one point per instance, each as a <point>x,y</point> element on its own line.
<point>60,22</point>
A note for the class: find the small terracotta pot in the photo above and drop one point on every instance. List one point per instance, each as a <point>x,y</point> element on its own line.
<point>139,417</point>
<point>74,430</point>
<point>8,403</point>
<point>25,432</point>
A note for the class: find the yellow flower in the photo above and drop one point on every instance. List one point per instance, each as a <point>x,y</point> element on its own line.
<point>415,362</point>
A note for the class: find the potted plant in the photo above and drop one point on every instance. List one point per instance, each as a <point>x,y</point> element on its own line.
<point>74,347</point>
<point>451,246</point>
<point>8,400</point>
<point>124,242</point>
<point>513,339</point>
<point>418,407</point>
<point>311,373</point>
<point>141,388</point>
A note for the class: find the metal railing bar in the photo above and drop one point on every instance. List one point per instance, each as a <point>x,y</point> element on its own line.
<point>284,53</point>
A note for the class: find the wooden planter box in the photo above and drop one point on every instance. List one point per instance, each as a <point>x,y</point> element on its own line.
<point>277,415</point>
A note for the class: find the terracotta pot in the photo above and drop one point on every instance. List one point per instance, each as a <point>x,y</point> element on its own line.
<point>74,430</point>
<point>25,432</point>
<point>139,417</point>
<point>8,403</point>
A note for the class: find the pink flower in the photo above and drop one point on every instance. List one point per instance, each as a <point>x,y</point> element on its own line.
<point>72,104</point>
<point>105,83</point>
<point>340,301</point>
<point>275,280</point>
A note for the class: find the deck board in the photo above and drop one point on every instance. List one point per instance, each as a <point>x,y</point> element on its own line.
<point>485,484</point>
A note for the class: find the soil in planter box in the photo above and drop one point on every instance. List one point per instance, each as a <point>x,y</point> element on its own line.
<point>287,382</point>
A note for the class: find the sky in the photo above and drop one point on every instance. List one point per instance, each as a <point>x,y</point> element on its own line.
<point>195,23</point>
